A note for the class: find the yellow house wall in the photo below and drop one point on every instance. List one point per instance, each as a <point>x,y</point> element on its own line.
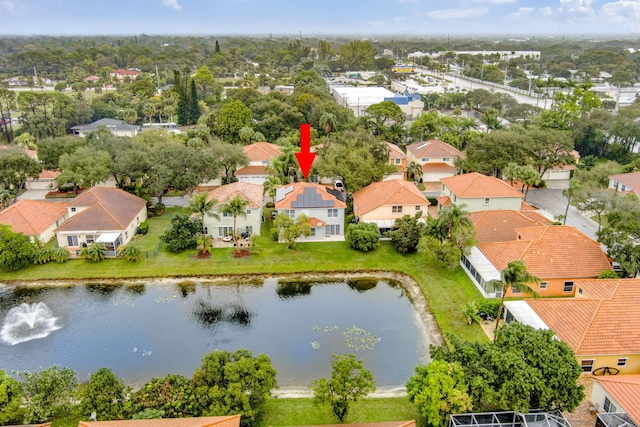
<point>555,288</point>
<point>384,212</point>
<point>632,366</point>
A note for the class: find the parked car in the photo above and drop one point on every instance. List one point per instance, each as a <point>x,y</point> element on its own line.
<point>274,214</point>
<point>337,184</point>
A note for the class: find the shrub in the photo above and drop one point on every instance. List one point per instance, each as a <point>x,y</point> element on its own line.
<point>44,255</point>
<point>364,236</point>
<point>608,274</point>
<point>489,306</point>
<point>270,205</point>
<point>143,228</point>
<point>130,253</point>
<point>183,233</point>
<point>275,235</point>
<point>470,311</point>
<point>94,252</point>
<point>61,255</point>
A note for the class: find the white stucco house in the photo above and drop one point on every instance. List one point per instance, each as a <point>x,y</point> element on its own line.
<point>251,222</point>
<point>479,193</point>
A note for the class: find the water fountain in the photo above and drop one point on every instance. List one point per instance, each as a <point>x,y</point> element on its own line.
<point>28,322</point>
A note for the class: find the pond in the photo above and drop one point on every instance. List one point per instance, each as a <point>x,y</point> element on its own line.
<point>144,330</point>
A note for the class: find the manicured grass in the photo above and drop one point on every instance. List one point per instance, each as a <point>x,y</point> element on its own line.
<point>444,290</point>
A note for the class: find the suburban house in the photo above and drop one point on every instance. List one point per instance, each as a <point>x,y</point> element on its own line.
<point>324,206</point>
<point>102,215</point>
<point>383,202</point>
<point>252,193</point>
<point>121,74</point>
<point>46,181</point>
<point>37,219</point>
<point>618,399</point>
<point>600,323</point>
<point>436,157</point>
<point>626,182</point>
<point>563,172</point>
<point>479,193</point>
<point>559,255</point>
<point>221,421</point>
<point>398,159</point>
<point>259,154</point>
<point>501,226</point>
<point>117,128</point>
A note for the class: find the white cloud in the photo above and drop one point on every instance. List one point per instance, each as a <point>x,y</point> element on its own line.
<point>522,12</point>
<point>495,1</point>
<point>546,11</point>
<point>173,4</point>
<point>577,7</point>
<point>8,6</point>
<point>621,11</point>
<point>399,18</point>
<point>457,13</point>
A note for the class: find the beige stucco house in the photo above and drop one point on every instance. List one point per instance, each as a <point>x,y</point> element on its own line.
<point>436,157</point>
<point>259,154</point>
<point>37,219</point>
<point>479,193</point>
<point>252,193</point>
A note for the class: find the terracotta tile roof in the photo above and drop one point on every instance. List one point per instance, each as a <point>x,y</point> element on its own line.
<point>477,185</point>
<point>411,423</point>
<point>261,151</point>
<point>592,327</point>
<point>437,167</point>
<point>444,200</point>
<point>556,251</point>
<point>253,193</point>
<point>299,191</point>
<point>251,170</point>
<point>32,217</point>
<point>108,209</point>
<point>226,421</point>
<point>315,222</point>
<point>625,389</point>
<point>630,180</point>
<point>395,152</point>
<point>387,193</point>
<point>524,206</point>
<point>597,289</point>
<point>434,149</point>
<point>48,174</point>
<point>500,226</point>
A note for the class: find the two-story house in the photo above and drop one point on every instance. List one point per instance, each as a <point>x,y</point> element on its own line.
<point>436,157</point>
<point>250,222</point>
<point>626,182</point>
<point>397,158</point>
<point>102,215</point>
<point>324,207</point>
<point>479,193</point>
<point>383,202</point>
<point>259,154</point>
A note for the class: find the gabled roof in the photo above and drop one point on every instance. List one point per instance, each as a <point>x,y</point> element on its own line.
<point>556,251</point>
<point>387,193</point>
<point>395,152</point>
<point>474,185</point>
<point>48,174</point>
<point>112,124</point>
<point>124,72</point>
<point>251,170</point>
<point>261,151</point>
<point>631,180</point>
<point>32,217</point>
<point>500,226</point>
<point>625,389</point>
<point>224,421</point>
<point>434,148</point>
<point>108,209</point>
<point>302,195</point>
<point>437,167</point>
<point>593,327</point>
<point>252,193</point>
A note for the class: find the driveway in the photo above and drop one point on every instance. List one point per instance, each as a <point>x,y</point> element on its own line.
<point>554,203</point>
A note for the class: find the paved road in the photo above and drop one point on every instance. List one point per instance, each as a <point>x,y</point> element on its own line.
<point>40,195</point>
<point>553,202</point>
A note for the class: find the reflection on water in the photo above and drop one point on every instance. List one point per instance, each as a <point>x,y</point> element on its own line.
<point>145,331</point>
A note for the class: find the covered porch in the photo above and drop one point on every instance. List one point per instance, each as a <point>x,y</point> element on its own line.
<point>112,241</point>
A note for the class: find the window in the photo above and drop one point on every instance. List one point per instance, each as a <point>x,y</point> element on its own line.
<point>418,208</point>
<point>425,159</point>
<point>73,209</point>
<point>580,291</point>
<point>516,290</point>
<point>396,209</point>
<point>290,213</point>
<point>225,231</point>
<point>487,201</point>
<point>622,361</point>
<point>138,220</point>
<point>227,215</point>
<point>332,213</point>
<point>608,406</point>
<point>568,287</point>
<point>249,229</point>
<point>206,230</point>
<point>313,232</point>
<point>126,234</point>
<point>248,211</point>
<point>90,238</point>
<point>398,161</point>
<point>543,285</point>
<point>587,365</point>
<point>72,240</point>
<point>332,230</point>
<point>446,159</point>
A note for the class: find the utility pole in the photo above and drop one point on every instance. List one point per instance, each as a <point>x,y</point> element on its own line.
<point>157,80</point>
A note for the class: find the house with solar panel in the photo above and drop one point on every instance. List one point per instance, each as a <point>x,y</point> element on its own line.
<point>324,206</point>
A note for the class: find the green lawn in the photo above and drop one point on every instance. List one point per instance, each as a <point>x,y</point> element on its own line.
<point>444,290</point>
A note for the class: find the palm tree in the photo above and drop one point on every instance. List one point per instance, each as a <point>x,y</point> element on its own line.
<point>130,115</point>
<point>236,206</point>
<point>149,110</point>
<point>455,224</point>
<point>202,206</point>
<point>574,188</point>
<point>271,183</point>
<point>414,172</point>
<point>328,122</point>
<point>514,276</point>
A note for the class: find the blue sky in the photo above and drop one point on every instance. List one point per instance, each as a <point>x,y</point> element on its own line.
<point>404,17</point>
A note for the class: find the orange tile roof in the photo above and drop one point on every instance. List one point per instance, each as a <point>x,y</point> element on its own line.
<point>252,193</point>
<point>524,206</point>
<point>444,200</point>
<point>251,170</point>
<point>437,167</point>
<point>32,217</point>
<point>387,193</point>
<point>261,151</point>
<point>225,421</point>
<point>549,252</point>
<point>108,209</point>
<point>625,389</point>
<point>315,222</point>
<point>473,185</point>
<point>500,226</point>
<point>434,149</point>
<point>48,174</point>
<point>298,189</point>
<point>597,288</point>
<point>395,152</point>
<point>592,327</point>
<point>630,180</point>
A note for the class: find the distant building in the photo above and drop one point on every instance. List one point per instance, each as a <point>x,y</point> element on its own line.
<point>358,99</point>
<point>120,74</point>
<point>503,54</point>
<point>117,128</point>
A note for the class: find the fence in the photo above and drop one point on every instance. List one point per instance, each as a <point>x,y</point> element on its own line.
<point>155,252</point>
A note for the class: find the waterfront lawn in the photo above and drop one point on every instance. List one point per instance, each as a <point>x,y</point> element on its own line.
<point>444,290</point>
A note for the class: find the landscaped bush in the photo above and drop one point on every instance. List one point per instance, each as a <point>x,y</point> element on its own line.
<point>608,274</point>
<point>44,255</point>
<point>183,233</point>
<point>61,255</point>
<point>364,236</point>
<point>143,228</point>
<point>270,205</point>
<point>489,306</point>
<point>130,253</point>
<point>94,252</point>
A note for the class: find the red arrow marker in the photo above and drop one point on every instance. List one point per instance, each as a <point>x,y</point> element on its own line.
<point>305,156</point>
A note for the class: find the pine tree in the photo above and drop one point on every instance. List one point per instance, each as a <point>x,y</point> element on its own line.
<point>194,108</point>
<point>179,87</point>
<point>217,49</point>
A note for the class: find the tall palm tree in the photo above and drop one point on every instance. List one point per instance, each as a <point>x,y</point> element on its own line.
<point>515,275</point>
<point>271,182</point>
<point>202,206</point>
<point>130,115</point>
<point>328,122</point>
<point>414,172</point>
<point>454,223</point>
<point>149,110</point>
<point>236,207</point>
<point>568,193</point>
